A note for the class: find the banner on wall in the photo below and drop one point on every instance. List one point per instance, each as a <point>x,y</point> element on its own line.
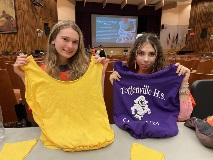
<point>204,33</point>
<point>168,39</point>
<point>176,39</point>
<point>173,40</point>
<point>7,17</point>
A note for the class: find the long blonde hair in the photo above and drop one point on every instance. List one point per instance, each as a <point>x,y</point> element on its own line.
<point>77,64</point>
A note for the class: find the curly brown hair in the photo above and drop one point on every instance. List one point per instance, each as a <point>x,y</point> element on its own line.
<point>78,63</point>
<point>151,38</point>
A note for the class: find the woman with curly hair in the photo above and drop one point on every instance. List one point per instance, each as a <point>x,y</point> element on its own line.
<point>146,58</point>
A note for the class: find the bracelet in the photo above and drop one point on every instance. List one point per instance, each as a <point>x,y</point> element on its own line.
<point>181,87</point>
<point>184,92</point>
<point>182,84</point>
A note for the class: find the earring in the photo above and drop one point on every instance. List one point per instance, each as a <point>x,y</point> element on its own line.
<point>53,46</point>
<point>135,65</point>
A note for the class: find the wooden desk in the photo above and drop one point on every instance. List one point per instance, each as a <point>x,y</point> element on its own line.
<point>184,146</point>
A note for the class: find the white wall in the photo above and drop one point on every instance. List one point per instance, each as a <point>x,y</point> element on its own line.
<point>170,16</point>
<point>176,21</point>
<point>176,16</point>
<point>66,10</point>
<point>184,14</point>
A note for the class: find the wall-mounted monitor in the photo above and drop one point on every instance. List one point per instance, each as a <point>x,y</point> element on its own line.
<point>113,31</point>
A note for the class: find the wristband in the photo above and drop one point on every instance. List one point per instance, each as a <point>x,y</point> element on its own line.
<point>184,92</point>
<point>186,86</point>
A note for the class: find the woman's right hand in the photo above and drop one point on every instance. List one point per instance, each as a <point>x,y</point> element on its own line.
<point>114,76</point>
<point>20,61</point>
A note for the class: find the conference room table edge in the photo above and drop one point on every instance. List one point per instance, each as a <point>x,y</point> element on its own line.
<point>184,146</point>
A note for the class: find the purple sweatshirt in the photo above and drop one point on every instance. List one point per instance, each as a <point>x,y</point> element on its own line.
<point>147,105</point>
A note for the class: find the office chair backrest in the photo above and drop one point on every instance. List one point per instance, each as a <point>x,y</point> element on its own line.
<point>202,91</point>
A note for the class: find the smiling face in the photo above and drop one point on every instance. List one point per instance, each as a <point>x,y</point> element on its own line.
<point>145,58</point>
<point>66,44</point>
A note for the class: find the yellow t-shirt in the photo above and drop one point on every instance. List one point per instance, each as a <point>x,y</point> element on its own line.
<point>17,150</point>
<point>140,152</point>
<point>72,115</point>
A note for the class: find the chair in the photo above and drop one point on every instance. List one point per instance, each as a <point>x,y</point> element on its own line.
<point>207,76</point>
<point>110,66</point>
<point>194,76</point>
<point>204,67</point>
<point>195,63</point>
<point>172,60</point>
<point>2,65</point>
<point>12,75</point>
<point>17,83</point>
<point>202,91</point>
<point>186,62</point>
<point>7,97</point>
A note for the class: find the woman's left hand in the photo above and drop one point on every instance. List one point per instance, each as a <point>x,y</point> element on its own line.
<point>181,70</point>
<point>104,61</point>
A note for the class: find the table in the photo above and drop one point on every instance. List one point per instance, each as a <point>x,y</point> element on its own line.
<point>184,146</point>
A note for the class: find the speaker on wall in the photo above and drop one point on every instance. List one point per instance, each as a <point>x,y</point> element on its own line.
<point>162,26</point>
<point>204,33</point>
<point>46,29</point>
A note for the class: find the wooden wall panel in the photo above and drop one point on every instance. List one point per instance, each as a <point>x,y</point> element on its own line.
<point>200,17</point>
<point>30,18</point>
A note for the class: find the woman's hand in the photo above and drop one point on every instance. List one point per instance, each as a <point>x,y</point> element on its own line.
<point>181,70</point>
<point>104,61</point>
<point>20,61</point>
<point>114,76</point>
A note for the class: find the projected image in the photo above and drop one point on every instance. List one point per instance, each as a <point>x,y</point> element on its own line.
<point>106,29</point>
<point>127,31</point>
<point>112,30</point>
